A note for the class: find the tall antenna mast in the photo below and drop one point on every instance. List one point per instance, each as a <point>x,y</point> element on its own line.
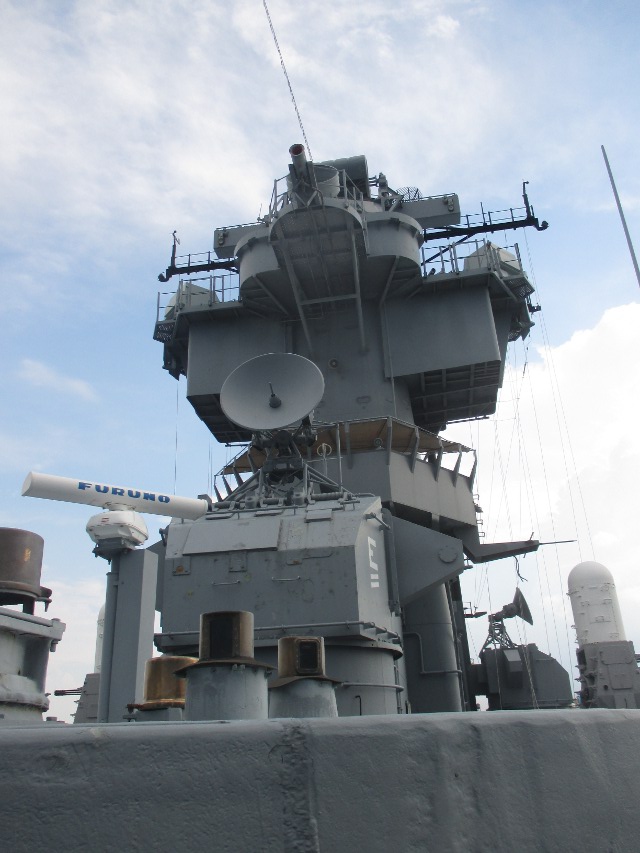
<point>622,219</point>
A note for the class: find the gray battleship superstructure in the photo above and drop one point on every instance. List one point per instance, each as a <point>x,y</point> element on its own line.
<point>333,341</point>
<point>407,339</point>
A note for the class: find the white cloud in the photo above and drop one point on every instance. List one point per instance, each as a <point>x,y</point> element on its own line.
<point>17,452</point>
<point>42,376</point>
<point>125,121</point>
<point>443,26</point>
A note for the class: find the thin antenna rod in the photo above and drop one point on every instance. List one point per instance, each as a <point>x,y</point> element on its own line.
<point>286,76</point>
<point>622,219</point>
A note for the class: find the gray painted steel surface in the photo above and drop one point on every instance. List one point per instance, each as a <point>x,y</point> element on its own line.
<point>523,677</point>
<point>227,691</point>
<point>128,632</point>
<point>287,565</point>
<point>322,568</point>
<point>609,675</point>
<point>304,697</point>
<point>25,643</point>
<point>451,783</point>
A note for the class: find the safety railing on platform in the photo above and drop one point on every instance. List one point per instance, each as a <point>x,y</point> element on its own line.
<point>495,217</point>
<point>201,292</point>
<point>471,255</point>
<point>283,194</point>
<point>338,441</point>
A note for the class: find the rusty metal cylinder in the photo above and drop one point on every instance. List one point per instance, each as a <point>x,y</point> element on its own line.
<point>226,635</point>
<point>161,685</point>
<point>302,688</point>
<point>300,656</point>
<point>20,566</point>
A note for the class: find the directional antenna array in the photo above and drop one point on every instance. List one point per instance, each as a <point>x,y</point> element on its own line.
<point>272,391</point>
<point>498,636</point>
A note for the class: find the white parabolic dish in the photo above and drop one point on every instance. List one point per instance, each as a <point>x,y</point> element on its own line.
<point>272,391</point>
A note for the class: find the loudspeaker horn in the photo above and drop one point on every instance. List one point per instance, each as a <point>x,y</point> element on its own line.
<point>522,608</point>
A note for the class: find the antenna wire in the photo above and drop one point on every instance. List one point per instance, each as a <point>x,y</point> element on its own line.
<point>286,77</point>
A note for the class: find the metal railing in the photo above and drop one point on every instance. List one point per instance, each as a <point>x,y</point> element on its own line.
<point>495,217</point>
<point>470,255</point>
<point>281,197</point>
<point>201,292</point>
<point>445,454</point>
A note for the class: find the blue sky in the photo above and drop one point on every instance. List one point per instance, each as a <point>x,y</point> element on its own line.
<point>123,120</point>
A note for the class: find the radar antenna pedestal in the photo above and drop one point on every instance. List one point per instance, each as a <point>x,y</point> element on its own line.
<point>274,395</point>
<point>498,637</point>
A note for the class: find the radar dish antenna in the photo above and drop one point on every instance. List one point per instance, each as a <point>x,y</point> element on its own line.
<point>272,391</point>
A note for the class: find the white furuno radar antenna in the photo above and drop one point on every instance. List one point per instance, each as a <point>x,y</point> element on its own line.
<point>272,391</point>
<point>109,497</point>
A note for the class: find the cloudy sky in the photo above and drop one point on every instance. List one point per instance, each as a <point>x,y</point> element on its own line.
<point>123,120</point>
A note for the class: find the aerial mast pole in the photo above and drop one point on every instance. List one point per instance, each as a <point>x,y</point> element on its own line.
<point>623,220</point>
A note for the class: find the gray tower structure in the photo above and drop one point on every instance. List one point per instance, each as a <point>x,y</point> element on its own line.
<point>355,526</point>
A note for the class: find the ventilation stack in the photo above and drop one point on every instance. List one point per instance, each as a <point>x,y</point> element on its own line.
<point>302,688</point>
<point>164,690</point>
<point>227,683</point>
<point>25,639</point>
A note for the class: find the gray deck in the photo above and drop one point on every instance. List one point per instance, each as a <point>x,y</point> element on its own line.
<point>504,781</point>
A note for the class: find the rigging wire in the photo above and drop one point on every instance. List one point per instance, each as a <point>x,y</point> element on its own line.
<point>560,411</point>
<point>210,471</point>
<point>520,630</point>
<point>531,501</point>
<point>175,454</point>
<point>553,526</point>
<point>517,380</point>
<point>504,466</point>
<point>563,435</point>
<point>534,512</point>
<point>286,77</point>
<point>495,657</point>
<point>528,478</point>
<point>475,443</point>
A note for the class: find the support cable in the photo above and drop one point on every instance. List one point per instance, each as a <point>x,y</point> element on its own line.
<point>527,663</point>
<point>563,428</point>
<point>563,435</point>
<point>531,501</point>
<point>553,526</point>
<point>286,77</point>
<point>495,655</point>
<point>175,453</point>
